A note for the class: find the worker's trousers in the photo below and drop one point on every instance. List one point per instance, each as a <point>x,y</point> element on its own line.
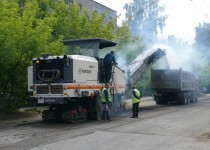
<point>135,109</point>
<point>105,112</point>
<point>108,72</point>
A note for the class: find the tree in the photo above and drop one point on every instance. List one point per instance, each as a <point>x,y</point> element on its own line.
<point>33,27</point>
<point>145,19</point>
<point>202,38</point>
<point>21,41</point>
<point>202,44</point>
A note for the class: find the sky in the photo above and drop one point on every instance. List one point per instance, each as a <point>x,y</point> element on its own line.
<point>183,15</point>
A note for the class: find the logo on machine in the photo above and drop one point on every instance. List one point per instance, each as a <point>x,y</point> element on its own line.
<point>80,71</point>
<point>86,71</point>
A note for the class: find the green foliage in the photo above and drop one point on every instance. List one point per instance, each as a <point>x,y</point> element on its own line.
<point>32,27</point>
<point>145,18</point>
<point>134,49</point>
<point>144,85</point>
<point>23,36</point>
<point>202,43</point>
<point>128,46</point>
<point>72,24</point>
<point>123,36</point>
<point>145,21</point>
<point>202,38</point>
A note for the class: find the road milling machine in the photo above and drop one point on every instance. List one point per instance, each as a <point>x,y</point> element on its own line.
<point>70,85</point>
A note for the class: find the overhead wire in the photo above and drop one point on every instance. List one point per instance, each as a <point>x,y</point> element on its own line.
<point>150,4</point>
<point>199,9</point>
<point>206,4</point>
<point>195,5</point>
<point>207,7</point>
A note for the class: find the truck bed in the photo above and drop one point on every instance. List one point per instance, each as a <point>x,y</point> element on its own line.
<point>172,79</point>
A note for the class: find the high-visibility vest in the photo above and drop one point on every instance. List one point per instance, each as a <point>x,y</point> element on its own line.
<point>103,99</point>
<point>134,99</point>
<point>109,96</point>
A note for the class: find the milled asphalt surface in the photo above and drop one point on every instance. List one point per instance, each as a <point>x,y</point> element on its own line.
<point>22,118</point>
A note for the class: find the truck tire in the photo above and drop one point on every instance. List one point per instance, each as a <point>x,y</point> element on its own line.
<point>192,99</point>
<point>184,100</point>
<point>158,100</point>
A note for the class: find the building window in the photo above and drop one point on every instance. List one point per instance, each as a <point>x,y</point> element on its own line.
<point>80,7</point>
<point>68,1</point>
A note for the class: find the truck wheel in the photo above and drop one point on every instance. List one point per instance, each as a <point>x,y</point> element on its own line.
<point>188,100</point>
<point>184,100</point>
<point>158,100</point>
<point>85,115</point>
<point>192,99</point>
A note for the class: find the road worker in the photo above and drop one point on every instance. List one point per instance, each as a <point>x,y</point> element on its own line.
<point>106,101</point>
<point>109,59</point>
<point>136,96</point>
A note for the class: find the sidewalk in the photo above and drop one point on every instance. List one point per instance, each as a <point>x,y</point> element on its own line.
<point>10,120</point>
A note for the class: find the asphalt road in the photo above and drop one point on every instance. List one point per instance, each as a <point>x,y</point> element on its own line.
<point>171,127</point>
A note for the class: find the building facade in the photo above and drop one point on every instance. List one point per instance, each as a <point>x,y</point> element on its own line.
<point>92,5</point>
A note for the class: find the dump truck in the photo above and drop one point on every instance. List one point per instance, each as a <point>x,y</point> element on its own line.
<point>174,86</point>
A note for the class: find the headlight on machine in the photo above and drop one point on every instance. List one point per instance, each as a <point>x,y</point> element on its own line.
<point>65,94</point>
